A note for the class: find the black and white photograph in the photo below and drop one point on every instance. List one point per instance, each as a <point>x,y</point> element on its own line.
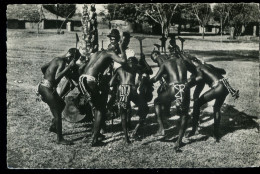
<point>132,85</point>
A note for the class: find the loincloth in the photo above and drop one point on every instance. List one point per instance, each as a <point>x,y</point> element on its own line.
<point>85,87</point>
<point>124,96</point>
<point>47,84</point>
<point>234,93</point>
<point>179,89</point>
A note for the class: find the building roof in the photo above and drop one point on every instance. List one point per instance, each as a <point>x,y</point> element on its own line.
<point>213,22</point>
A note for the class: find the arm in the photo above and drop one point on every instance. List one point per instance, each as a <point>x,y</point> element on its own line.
<point>146,68</point>
<point>113,79</point>
<point>62,70</point>
<point>44,67</point>
<point>195,79</point>
<point>158,75</point>
<point>66,87</point>
<point>118,59</point>
<point>81,67</point>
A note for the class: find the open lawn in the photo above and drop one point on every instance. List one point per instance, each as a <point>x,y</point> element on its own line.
<point>31,145</point>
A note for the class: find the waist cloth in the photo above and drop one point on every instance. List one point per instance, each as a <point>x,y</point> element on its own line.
<point>47,84</point>
<point>124,96</point>
<point>90,80</point>
<point>179,92</point>
<point>224,81</point>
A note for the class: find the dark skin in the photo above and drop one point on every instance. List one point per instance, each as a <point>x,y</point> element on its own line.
<point>177,73</point>
<point>199,86</point>
<point>126,75</point>
<point>54,71</point>
<point>209,74</point>
<point>159,59</point>
<point>97,64</point>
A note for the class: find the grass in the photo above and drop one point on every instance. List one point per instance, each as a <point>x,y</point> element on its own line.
<point>31,145</point>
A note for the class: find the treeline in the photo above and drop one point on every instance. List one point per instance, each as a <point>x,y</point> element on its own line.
<point>232,16</point>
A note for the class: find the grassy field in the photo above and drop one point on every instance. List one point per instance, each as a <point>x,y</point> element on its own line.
<point>31,145</point>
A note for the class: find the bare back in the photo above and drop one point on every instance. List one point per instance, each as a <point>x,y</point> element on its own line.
<point>210,74</point>
<point>176,70</point>
<point>100,61</point>
<point>127,77</point>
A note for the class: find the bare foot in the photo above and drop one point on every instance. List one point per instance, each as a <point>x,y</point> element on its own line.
<point>64,142</point>
<point>97,144</point>
<point>160,133</point>
<point>101,137</point>
<point>53,129</point>
<point>177,147</point>
<point>217,139</point>
<point>127,142</point>
<point>192,133</point>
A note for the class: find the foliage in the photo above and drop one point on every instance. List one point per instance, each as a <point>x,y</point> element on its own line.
<point>202,11</point>
<point>160,13</point>
<point>125,12</point>
<point>62,10</point>
<point>221,12</point>
<point>30,12</point>
<point>241,14</point>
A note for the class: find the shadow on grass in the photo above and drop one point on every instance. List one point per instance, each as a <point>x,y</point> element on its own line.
<point>231,121</point>
<point>223,55</point>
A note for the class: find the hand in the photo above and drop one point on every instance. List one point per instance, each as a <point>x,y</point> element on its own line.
<point>72,63</point>
<point>121,41</point>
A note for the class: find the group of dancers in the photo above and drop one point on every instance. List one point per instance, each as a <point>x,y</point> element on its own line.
<point>116,76</point>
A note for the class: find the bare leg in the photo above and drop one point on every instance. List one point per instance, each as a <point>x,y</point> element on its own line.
<point>183,127</point>
<point>96,132</point>
<point>217,116</point>
<point>158,112</point>
<point>123,114</point>
<point>58,121</point>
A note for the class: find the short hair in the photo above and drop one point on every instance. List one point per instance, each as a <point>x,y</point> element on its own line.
<point>75,53</point>
<point>155,52</point>
<point>133,59</point>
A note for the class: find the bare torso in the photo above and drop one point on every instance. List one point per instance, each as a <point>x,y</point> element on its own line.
<point>176,70</point>
<point>52,69</point>
<point>210,74</point>
<point>100,61</point>
<point>126,76</point>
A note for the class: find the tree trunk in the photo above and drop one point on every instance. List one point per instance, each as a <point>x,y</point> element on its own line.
<point>162,25</point>
<point>57,20</point>
<point>203,31</point>
<point>38,26</point>
<point>179,29</point>
<point>221,28</point>
<point>232,32</point>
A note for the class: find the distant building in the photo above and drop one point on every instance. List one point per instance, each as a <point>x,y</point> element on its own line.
<point>26,16</point>
<point>122,25</point>
<point>212,27</point>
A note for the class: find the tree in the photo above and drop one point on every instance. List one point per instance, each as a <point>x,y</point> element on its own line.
<point>63,10</point>
<point>184,15</point>
<point>221,12</point>
<point>202,11</point>
<point>160,13</point>
<point>241,14</point>
<point>125,12</point>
